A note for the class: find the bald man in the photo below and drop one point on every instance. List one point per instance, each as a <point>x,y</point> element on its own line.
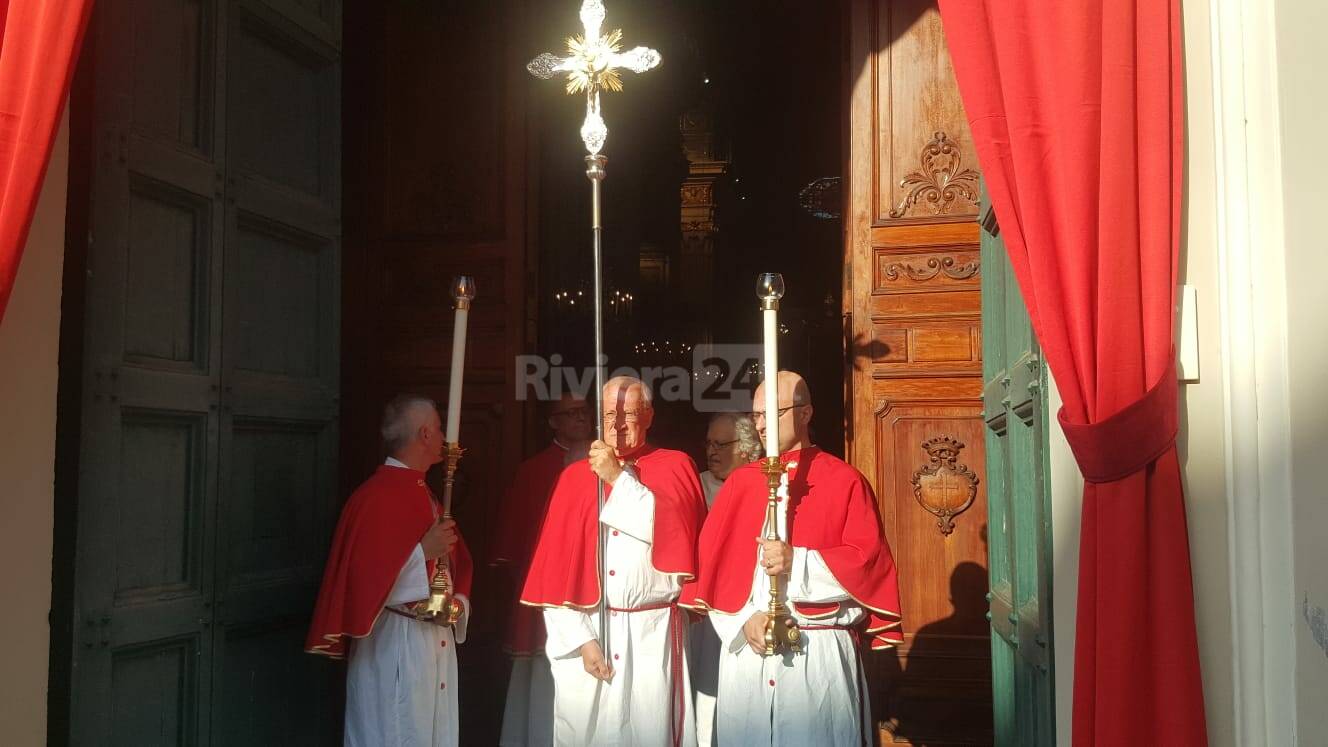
<point>838,582</point>
<point>640,693</point>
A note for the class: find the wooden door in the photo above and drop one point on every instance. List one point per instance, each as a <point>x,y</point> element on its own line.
<point>912,302</point>
<point>278,499</point>
<point>1018,505</point>
<point>207,445</point>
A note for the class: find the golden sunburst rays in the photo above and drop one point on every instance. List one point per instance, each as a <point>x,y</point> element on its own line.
<point>592,63</point>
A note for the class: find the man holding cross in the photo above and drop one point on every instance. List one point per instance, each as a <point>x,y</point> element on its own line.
<point>639,694</point>
<point>838,581</point>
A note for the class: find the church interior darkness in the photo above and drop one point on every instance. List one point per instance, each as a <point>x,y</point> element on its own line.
<point>724,162</point>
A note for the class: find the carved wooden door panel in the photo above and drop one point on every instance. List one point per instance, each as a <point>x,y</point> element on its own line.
<point>1015,407</point>
<point>207,445</point>
<point>913,319</point>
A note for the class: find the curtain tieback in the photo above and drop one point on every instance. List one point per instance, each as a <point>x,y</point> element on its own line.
<point>1130,440</point>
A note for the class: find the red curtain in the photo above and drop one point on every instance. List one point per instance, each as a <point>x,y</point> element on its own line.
<point>39,45</point>
<point>1076,114</point>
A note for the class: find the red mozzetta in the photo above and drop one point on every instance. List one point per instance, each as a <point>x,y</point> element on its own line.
<point>514,539</point>
<point>831,510</point>
<point>379,528</point>
<point>563,570</point>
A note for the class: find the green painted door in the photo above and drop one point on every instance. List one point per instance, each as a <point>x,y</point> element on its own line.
<point>208,440</point>
<point>1018,500</point>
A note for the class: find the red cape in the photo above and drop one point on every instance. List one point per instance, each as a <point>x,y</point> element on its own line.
<point>379,528</point>
<point>564,570</point>
<point>522,515</point>
<point>831,510</point>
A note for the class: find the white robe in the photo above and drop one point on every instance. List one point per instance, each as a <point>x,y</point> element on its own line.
<point>401,680</point>
<point>635,707</point>
<point>528,710</point>
<point>710,485</point>
<point>528,713</point>
<point>703,650</point>
<point>816,697</point>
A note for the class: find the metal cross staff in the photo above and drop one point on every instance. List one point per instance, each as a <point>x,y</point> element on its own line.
<point>592,64</point>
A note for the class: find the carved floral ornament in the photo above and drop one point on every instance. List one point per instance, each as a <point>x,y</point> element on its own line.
<point>940,181</point>
<point>934,266</point>
<point>943,487</point>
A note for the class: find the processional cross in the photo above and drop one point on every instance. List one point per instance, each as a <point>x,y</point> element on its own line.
<point>592,65</point>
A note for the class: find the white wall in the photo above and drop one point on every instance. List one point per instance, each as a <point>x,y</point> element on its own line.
<point>29,341</point>
<point>1302,58</point>
<point>1067,487</point>
<point>1201,443</point>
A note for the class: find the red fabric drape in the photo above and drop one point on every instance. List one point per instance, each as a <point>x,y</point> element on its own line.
<point>1075,110</point>
<point>39,47</point>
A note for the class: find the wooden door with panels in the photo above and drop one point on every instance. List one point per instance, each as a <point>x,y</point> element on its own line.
<point>912,303</point>
<point>278,500</point>
<point>1015,408</point>
<point>208,436</point>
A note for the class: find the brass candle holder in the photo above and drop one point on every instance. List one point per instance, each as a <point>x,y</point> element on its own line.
<point>781,630</point>
<point>442,602</point>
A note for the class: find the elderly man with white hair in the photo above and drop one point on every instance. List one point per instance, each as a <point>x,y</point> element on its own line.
<point>401,687</point>
<point>731,441</point>
<point>652,515</point>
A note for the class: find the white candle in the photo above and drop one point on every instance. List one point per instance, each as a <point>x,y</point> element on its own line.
<point>771,323</point>
<point>463,290</point>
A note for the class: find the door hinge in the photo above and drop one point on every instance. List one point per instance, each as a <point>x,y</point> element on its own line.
<point>97,629</point>
<point>106,384</point>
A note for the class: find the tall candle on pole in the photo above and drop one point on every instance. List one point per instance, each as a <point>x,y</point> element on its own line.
<point>770,288</point>
<point>442,598</point>
<point>781,630</point>
<point>463,291</point>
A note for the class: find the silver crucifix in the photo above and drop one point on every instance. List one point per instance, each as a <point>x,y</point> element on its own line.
<point>592,63</point>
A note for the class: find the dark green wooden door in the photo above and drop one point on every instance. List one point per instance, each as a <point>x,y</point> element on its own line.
<point>1018,500</point>
<point>208,440</point>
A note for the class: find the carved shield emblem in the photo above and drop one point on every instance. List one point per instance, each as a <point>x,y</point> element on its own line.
<point>943,486</point>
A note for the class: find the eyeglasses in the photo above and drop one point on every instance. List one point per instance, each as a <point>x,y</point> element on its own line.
<point>760,414</point>
<point>717,445</point>
<point>629,416</point>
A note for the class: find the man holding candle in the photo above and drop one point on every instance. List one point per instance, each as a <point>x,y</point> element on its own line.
<point>640,695</point>
<point>401,683</point>
<point>528,714</point>
<point>837,578</point>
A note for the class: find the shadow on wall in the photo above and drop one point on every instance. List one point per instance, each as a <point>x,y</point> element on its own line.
<point>907,703</point>
<point>1317,619</point>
